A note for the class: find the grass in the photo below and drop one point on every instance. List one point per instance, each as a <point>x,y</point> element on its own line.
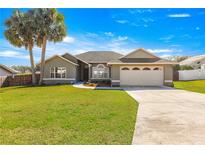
<point>195,86</point>
<point>65,115</point>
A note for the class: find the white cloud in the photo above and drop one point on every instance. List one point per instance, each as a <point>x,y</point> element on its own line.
<point>182,15</point>
<point>13,54</point>
<point>147,20</point>
<point>122,38</point>
<point>167,38</point>
<point>122,21</point>
<point>145,25</point>
<point>160,50</point>
<point>83,43</point>
<point>175,45</point>
<point>139,11</point>
<point>92,35</point>
<point>165,56</point>
<point>109,34</point>
<point>186,36</point>
<point>134,24</point>
<point>68,39</point>
<point>197,28</point>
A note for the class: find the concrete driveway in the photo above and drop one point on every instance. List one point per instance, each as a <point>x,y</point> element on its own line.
<point>168,116</point>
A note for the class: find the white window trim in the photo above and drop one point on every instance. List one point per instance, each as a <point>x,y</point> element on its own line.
<point>106,71</point>
<point>55,73</point>
<point>168,80</point>
<point>102,78</point>
<point>115,80</point>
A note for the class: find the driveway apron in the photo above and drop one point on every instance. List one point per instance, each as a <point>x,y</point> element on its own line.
<point>168,116</point>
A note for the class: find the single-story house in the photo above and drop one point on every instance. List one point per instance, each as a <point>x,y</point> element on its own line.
<point>6,71</point>
<point>196,62</point>
<point>138,68</point>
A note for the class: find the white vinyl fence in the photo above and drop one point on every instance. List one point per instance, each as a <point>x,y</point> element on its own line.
<point>198,74</point>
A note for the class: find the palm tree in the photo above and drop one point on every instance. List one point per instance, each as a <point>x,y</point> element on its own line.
<point>20,32</point>
<point>50,26</point>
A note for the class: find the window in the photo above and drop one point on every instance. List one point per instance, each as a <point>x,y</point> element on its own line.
<point>125,68</point>
<point>146,68</point>
<point>58,72</point>
<point>100,66</point>
<point>135,68</point>
<point>52,72</point>
<point>100,72</point>
<point>156,68</point>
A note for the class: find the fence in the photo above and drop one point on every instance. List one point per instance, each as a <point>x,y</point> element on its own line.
<point>198,74</point>
<point>17,80</point>
<point>2,79</point>
<point>175,76</point>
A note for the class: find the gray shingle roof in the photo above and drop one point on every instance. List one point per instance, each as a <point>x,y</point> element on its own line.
<point>99,56</point>
<point>143,60</point>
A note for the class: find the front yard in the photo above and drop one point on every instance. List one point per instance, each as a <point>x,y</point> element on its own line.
<point>65,115</point>
<point>195,86</point>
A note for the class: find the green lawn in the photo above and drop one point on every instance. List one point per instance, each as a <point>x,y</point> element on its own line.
<point>195,86</point>
<point>65,115</point>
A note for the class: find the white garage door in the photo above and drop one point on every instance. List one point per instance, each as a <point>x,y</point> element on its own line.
<point>141,76</point>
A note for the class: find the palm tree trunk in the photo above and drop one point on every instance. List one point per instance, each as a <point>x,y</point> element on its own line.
<point>32,65</point>
<point>43,53</point>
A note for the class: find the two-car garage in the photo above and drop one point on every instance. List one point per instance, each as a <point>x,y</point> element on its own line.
<point>141,76</point>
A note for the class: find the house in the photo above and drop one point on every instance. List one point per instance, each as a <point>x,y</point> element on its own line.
<point>6,71</point>
<point>138,68</point>
<point>196,62</point>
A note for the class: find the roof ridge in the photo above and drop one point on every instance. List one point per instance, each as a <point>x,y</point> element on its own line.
<point>99,51</point>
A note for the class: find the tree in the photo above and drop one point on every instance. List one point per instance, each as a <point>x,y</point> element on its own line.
<point>177,58</point>
<point>50,26</point>
<point>21,68</point>
<point>20,32</point>
<point>183,67</point>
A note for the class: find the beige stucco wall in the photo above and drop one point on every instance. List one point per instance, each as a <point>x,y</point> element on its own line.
<point>115,72</point>
<point>168,73</point>
<point>58,62</point>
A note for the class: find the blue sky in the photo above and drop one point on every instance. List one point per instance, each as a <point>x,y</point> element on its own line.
<point>164,32</point>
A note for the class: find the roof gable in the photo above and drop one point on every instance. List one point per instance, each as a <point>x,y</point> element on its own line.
<point>140,53</point>
<point>57,56</point>
<point>73,58</point>
<point>70,57</point>
<point>8,69</point>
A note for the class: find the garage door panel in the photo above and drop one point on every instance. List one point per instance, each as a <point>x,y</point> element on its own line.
<point>141,77</point>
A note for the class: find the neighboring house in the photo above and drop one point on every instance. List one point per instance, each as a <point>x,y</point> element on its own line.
<point>138,68</point>
<point>195,62</point>
<point>6,71</point>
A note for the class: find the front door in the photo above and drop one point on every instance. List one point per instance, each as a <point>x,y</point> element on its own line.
<point>85,74</point>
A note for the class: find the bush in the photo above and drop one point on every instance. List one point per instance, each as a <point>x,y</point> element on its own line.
<point>183,67</point>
